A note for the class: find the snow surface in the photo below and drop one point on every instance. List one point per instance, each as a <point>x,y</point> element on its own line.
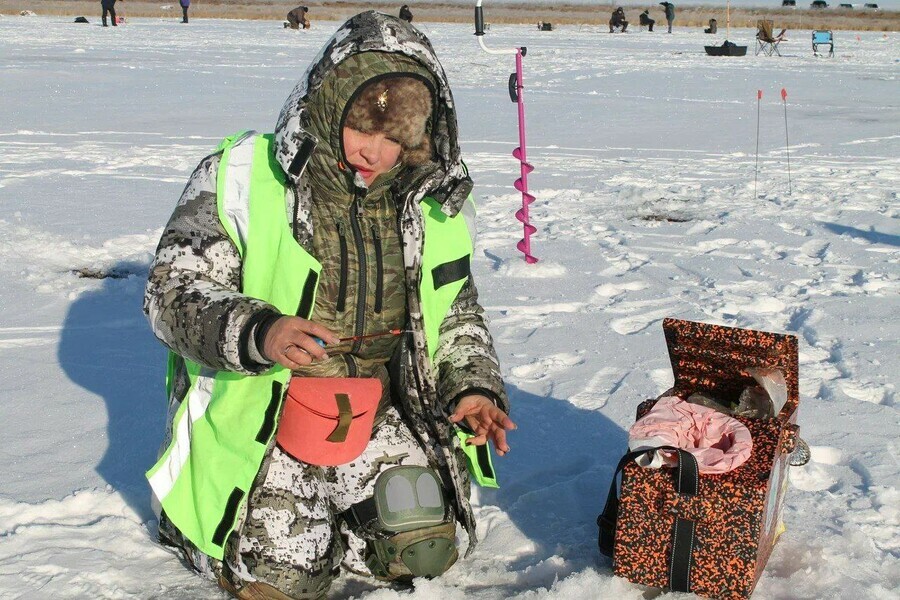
<point>644,171</point>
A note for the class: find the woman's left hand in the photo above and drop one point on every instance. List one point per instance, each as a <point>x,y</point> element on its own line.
<point>486,420</point>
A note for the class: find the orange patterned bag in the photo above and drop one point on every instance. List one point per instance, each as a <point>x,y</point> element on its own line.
<point>710,534</point>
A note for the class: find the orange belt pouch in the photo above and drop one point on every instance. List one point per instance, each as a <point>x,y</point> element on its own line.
<point>328,421</point>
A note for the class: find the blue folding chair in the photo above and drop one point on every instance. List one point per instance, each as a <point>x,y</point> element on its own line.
<point>823,38</point>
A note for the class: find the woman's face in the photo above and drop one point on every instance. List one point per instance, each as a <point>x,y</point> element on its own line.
<point>370,154</point>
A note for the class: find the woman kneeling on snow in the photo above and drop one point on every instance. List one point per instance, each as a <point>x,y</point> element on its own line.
<point>331,376</point>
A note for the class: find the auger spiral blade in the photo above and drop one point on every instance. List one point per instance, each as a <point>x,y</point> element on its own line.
<point>525,167</point>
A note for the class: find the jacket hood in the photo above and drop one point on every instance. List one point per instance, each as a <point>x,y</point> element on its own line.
<point>370,45</point>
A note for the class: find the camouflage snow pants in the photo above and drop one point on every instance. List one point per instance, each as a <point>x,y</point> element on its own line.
<point>291,539</point>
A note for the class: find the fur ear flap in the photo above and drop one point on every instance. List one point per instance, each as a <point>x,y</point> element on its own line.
<point>419,155</point>
<point>400,107</point>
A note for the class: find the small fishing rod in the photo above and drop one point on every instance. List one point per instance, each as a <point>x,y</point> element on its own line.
<point>354,338</point>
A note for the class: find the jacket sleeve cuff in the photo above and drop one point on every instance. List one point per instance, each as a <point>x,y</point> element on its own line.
<point>251,340</point>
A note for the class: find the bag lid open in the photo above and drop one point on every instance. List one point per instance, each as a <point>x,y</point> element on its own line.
<point>716,359</point>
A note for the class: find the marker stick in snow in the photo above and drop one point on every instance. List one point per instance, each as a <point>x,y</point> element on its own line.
<point>756,171</point>
<point>787,143</point>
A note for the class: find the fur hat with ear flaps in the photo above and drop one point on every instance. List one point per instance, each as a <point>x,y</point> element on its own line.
<point>399,107</point>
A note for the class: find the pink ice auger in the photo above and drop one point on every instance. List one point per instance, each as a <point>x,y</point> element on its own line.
<point>515,94</point>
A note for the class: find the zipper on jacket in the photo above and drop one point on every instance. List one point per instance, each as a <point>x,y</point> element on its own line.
<point>341,304</point>
<point>379,270</point>
<point>356,212</point>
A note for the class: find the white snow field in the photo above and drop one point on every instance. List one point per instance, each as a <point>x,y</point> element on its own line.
<point>644,155</point>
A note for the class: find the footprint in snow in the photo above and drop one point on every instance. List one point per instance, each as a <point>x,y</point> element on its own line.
<point>596,393</point>
<point>545,367</point>
<point>622,263</point>
<point>610,292</point>
<point>646,314</point>
<point>867,392</point>
<point>811,253</point>
<point>795,229</point>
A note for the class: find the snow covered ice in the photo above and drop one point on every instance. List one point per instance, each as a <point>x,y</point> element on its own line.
<point>644,150</point>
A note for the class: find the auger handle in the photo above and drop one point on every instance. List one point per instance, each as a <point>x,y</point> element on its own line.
<point>479,32</point>
<point>479,19</point>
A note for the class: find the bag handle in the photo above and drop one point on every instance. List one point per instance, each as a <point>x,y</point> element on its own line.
<point>606,520</point>
<point>687,482</point>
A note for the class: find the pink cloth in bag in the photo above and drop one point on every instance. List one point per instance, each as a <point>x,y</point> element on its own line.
<point>719,443</point>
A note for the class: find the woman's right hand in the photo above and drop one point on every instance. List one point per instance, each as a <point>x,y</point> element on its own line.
<point>289,342</point>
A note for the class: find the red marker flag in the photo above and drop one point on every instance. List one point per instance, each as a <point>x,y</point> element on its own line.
<point>783,94</point>
<point>759,94</point>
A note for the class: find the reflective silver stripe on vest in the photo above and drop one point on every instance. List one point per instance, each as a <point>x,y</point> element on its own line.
<point>197,400</point>
<point>468,213</point>
<point>237,187</point>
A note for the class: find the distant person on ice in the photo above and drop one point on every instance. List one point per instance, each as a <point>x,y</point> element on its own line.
<point>406,14</point>
<point>617,22</point>
<point>670,13</point>
<point>109,7</point>
<point>332,297</point>
<point>646,21</point>
<point>298,18</point>
<point>185,4</point>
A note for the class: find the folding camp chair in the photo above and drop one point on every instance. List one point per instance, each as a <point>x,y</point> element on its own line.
<point>765,41</point>
<point>823,38</point>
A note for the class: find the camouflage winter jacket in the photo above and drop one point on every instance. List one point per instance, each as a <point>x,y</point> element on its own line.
<point>369,242</point>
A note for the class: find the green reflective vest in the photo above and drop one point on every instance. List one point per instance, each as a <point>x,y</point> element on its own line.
<point>226,421</point>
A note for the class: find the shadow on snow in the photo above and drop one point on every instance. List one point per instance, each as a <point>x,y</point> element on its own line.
<point>871,236</point>
<point>107,348</point>
<point>555,479</point>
